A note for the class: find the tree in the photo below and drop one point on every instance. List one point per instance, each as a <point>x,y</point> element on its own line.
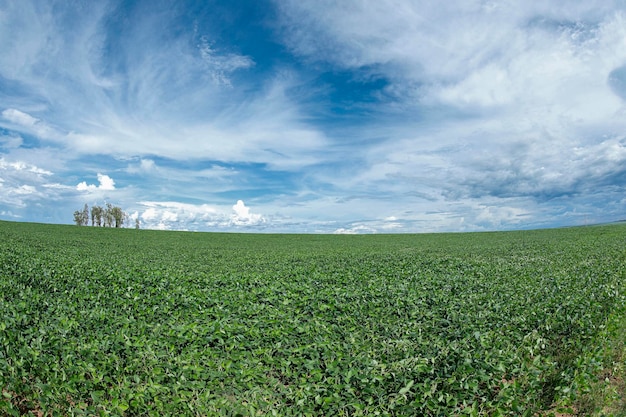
<point>81,217</point>
<point>78,218</point>
<point>118,216</point>
<point>111,216</point>
<point>108,215</point>
<point>114,216</point>
<point>137,223</point>
<point>85,215</point>
<point>96,216</point>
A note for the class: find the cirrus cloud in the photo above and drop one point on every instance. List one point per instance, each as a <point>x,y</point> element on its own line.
<point>354,116</point>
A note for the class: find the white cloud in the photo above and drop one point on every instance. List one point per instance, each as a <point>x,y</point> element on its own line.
<point>425,39</point>
<point>106,183</point>
<point>10,214</point>
<point>392,226</point>
<point>23,167</point>
<point>220,66</point>
<point>242,217</point>
<point>494,113</point>
<point>542,65</point>
<point>30,124</point>
<point>515,105</point>
<point>355,229</point>
<point>342,231</point>
<point>11,141</point>
<point>180,173</point>
<point>22,183</point>
<point>149,214</point>
<point>178,91</point>
<point>25,190</point>
<point>167,215</point>
<point>185,216</point>
<point>20,118</point>
<point>147,165</point>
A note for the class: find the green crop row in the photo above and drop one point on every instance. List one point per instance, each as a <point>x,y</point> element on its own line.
<point>137,322</point>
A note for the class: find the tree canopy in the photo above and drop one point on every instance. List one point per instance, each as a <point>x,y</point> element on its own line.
<point>108,216</point>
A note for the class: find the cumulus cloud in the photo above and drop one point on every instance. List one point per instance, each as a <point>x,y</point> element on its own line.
<point>487,114</point>
<point>165,215</point>
<point>242,217</point>
<point>106,183</point>
<point>355,229</point>
<point>186,216</point>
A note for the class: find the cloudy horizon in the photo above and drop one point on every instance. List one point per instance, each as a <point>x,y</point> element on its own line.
<point>386,116</point>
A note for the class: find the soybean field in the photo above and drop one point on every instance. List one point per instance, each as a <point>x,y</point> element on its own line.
<point>121,322</point>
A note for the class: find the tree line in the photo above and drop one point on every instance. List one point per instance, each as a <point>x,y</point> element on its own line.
<point>108,216</point>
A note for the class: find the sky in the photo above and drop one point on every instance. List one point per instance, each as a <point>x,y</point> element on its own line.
<point>315,116</point>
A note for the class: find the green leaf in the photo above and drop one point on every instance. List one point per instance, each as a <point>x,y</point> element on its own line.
<point>407,388</point>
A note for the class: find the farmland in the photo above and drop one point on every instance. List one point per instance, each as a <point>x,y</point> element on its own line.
<point>100,321</point>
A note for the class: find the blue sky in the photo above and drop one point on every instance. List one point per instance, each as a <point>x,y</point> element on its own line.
<point>370,116</point>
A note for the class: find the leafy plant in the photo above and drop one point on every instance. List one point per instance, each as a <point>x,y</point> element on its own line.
<point>103,321</point>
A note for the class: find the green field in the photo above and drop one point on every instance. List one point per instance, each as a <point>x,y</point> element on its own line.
<point>97,321</point>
